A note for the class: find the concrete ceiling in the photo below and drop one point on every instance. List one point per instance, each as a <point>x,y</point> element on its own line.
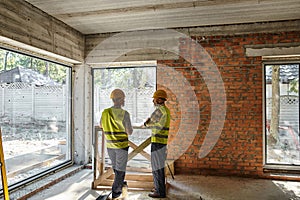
<point>102,16</point>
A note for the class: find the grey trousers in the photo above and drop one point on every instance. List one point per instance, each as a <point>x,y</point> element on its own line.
<point>118,159</point>
<point>158,158</point>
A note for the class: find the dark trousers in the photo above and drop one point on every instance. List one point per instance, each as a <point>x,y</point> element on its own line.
<point>158,158</point>
<point>118,159</point>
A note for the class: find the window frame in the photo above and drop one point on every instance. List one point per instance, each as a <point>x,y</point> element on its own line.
<point>124,65</point>
<point>68,162</point>
<point>270,166</point>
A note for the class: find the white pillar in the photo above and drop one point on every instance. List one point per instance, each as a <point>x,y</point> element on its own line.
<point>82,114</point>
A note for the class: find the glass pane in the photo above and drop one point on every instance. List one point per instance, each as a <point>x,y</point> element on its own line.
<point>139,84</point>
<point>282,114</point>
<point>35,115</point>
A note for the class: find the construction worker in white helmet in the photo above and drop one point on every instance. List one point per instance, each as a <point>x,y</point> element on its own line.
<point>116,126</point>
<point>159,122</point>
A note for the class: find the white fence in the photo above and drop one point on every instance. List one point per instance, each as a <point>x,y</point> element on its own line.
<point>138,103</point>
<point>26,102</point>
<point>289,110</point>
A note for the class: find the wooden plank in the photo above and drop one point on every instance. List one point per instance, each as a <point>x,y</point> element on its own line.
<point>140,185</point>
<point>96,159</point>
<point>138,169</point>
<point>139,148</point>
<point>102,177</point>
<point>106,174</point>
<point>106,179</point>
<point>136,177</point>
<point>143,153</point>
<point>99,162</point>
<point>131,184</point>
<point>102,164</point>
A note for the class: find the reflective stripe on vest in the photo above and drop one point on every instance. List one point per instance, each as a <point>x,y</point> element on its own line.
<point>114,130</point>
<point>160,132</point>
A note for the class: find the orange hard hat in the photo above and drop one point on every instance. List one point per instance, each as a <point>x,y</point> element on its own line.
<point>117,94</point>
<point>160,94</point>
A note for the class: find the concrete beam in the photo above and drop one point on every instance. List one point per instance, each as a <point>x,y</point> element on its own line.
<point>280,49</point>
<point>24,25</point>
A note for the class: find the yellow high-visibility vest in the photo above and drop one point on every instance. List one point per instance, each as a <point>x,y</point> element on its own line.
<point>160,130</point>
<point>114,130</point>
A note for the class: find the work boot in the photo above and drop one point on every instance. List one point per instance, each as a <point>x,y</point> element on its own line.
<point>155,195</point>
<point>125,190</point>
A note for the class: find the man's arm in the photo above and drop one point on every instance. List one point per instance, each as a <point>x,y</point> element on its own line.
<point>154,119</point>
<point>127,124</point>
<point>100,124</point>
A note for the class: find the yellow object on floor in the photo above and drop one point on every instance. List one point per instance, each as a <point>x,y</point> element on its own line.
<point>3,170</point>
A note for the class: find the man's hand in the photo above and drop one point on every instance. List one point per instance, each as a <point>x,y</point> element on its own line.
<point>147,121</point>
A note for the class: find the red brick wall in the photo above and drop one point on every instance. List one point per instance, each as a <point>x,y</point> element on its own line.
<point>239,149</point>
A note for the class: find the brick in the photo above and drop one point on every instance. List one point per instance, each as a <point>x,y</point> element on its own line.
<point>239,149</point>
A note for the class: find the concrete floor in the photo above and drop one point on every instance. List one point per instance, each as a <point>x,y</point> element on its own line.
<point>183,187</point>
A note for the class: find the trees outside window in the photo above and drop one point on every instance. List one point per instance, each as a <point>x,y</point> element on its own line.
<point>35,112</point>
<point>282,114</point>
<point>139,84</point>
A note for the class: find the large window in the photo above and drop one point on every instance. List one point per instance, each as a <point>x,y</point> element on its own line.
<point>139,84</point>
<point>282,114</point>
<point>35,106</point>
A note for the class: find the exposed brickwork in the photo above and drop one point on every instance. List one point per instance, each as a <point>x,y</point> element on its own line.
<point>239,149</point>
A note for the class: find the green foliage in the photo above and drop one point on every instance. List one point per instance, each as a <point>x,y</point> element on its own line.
<point>294,86</point>
<point>129,78</point>
<point>10,60</point>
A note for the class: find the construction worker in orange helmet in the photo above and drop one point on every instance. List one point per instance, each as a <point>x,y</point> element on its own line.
<point>159,122</point>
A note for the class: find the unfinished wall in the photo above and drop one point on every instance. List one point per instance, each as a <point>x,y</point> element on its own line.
<point>236,52</point>
<point>239,149</point>
<point>28,28</point>
<point>32,31</point>
<point>228,149</point>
